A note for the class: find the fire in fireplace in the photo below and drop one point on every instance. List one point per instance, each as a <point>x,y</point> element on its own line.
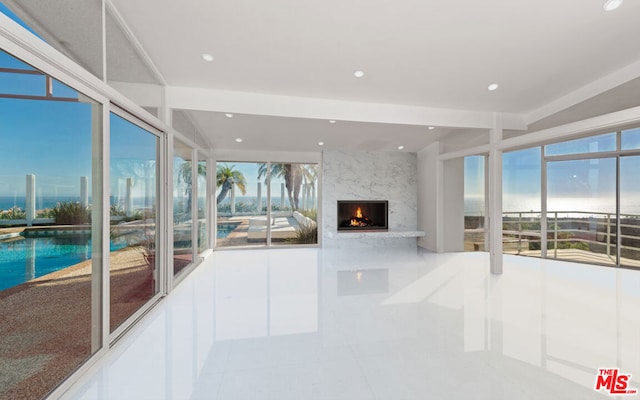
<point>362,215</point>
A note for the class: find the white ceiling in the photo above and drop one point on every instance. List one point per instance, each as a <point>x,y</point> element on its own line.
<point>303,134</point>
<point>546,56</point>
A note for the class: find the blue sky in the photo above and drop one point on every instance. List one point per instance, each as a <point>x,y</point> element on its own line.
<point>10,14</point>
<point>53,139</point>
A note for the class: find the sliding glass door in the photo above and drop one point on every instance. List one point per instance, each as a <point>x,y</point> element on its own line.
<point>581,210</point>
<point>629,212</point>
<point>241,201</point>
<point>475,205</point>
<point>265,203</point>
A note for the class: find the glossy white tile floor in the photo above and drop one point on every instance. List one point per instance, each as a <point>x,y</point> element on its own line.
<point>312,324</point>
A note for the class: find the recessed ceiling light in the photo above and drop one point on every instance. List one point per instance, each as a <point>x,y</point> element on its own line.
<point>358,74</point>
<point>207,57</point>
<point>239,140</point>
<point>320,143</point>
<point>432,128</point>
<point>611,5</point>
<point>492,87</point>
<point>400,147</point>
<point>228,115</point>
<point>332,121</point>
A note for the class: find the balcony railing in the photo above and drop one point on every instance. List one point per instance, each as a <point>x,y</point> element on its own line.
<point>588,236</point>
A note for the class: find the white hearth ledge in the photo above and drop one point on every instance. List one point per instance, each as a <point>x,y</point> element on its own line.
<point>377,235</point>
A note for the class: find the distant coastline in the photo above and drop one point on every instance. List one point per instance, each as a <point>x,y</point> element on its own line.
<point>42,202</point>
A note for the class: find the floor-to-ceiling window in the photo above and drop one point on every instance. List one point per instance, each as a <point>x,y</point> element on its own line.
<point>134,170</point>
<point>266,203</point>
<point>241,202</point>
<point>575,200</point>
<point>521,191</point>
<point>202,202</point>
<point>293,203</point>
<point>475,205</point>
<point>182,205</point>
<point>50,230</point>
<point>82,205</point>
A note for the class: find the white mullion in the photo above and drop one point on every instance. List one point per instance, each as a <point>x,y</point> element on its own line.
<point>543,204</point>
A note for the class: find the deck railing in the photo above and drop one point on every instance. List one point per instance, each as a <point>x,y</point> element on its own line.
<point>594,232</point>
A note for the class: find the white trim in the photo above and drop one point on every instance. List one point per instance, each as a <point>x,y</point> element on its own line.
<point>188,98</point>
<point>602,123</point>
<point>586,92</point>
<point>263,156</point>
<point>495,197</point>
<point>133,40</point>
<point>474,151</point>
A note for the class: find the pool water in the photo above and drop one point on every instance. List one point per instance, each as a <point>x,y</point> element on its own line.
<point>223,230</point>
<point>28,258</point>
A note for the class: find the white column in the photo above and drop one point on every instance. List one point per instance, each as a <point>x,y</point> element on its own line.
<point>495,196</point>
<point>128,200</point>
<point>84,191</point>
<point>259,207</point>
<point>31,199</point>
<point>233,199</point>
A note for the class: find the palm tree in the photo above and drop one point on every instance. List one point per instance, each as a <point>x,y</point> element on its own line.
<point>290,174</point>
<point>185,176</point>
<point>226,177</point>
<point>293,175</point>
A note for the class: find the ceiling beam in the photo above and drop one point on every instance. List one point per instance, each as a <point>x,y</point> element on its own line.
<point>592,89</point>
<point>188,98</point>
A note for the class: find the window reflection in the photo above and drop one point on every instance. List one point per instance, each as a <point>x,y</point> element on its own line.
<point>133,170</point>
<point>182,206</point>
<point>50,224</point>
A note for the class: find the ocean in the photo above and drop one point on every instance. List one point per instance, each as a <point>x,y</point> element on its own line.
<point>42,202</point>
<point>629,205</point>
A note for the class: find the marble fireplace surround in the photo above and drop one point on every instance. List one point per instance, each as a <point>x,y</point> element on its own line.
<point>364,175</point>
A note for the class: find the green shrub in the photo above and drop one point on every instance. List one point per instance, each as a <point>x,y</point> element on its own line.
<point>305,234</point>
<point>70,213</point>
<point>13,213</point>
<point>313,214</point>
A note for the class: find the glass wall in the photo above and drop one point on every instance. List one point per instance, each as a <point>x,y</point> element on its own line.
<point>521,204</point>
<point>630,210</point>
<point>126,70</point>
<point>203,236</point>
<point>588,210</point>
<point>182,205</point>
<point>581,210</point>
<point>474,204</point>
<point>630,139</point>
<point>134,271</point>
<point>81,42</point>
<point>241,201</point>
<point>50,230</point>
<point>293,204</point>
<point>58,220</point>
<point>292,199</point>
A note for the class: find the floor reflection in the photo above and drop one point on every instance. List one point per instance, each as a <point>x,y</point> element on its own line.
<point>308,324</point>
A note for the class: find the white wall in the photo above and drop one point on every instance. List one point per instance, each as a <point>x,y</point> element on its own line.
<point>453,205</point>
<point>364,175</point>
<point>440,201</point>
<point>428,166</point>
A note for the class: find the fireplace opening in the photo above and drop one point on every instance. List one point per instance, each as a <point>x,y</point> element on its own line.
<point>361,215</point>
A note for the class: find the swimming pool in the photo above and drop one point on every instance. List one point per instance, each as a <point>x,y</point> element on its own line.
<point>43,252</point>
<point>224,229</point>
<point>25,258</point>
